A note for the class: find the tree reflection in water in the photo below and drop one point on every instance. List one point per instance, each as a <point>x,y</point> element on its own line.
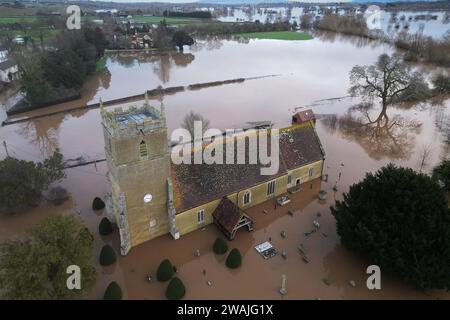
<point>383,136</point>
<point>442,122</point>
<point>162,62</point>
<point>43,133</point>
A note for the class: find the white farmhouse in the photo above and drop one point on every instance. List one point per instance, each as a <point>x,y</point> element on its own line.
<point>8,70</point>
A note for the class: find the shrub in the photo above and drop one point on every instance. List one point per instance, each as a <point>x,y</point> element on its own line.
<point>98,204</point>
<point>400,220</point>
<point>234,259</point>
<point>165,271</point>
<point>105,227</point>
<point>442,173</point>
<point>21,182</point>
<point>46,250</point>
<point>418,89</point>
<point>441,83</point>
<point>220,246</point>
<point>175,290</point>
<point>113,292</point>
<point>58,195</point>
<point>107,256</point>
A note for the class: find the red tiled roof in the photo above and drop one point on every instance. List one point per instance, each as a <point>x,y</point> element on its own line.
<point>303,116</point>
<point>227,215</point>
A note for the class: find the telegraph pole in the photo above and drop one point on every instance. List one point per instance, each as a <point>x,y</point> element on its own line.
<point>6,148</point>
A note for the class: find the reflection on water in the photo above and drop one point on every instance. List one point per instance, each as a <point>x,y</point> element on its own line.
<point>44,134</point>
<point>356,41</point>
<point>382,136</point>
<point>162,63</point>
<point>442,122</point>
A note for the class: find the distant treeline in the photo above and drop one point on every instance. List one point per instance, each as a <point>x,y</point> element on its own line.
<point>192,14</point>
<point>416,46</point>
<point>233,28</point>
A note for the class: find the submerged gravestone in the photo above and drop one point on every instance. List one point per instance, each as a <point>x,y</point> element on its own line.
<point>283,289</point>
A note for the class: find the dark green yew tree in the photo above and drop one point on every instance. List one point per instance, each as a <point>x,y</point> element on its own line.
<point>399,220</point>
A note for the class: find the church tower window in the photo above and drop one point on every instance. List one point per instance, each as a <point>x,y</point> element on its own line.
<point>143,150</point>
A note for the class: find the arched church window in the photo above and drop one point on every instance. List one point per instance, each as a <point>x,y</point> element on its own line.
<point>247,197</point>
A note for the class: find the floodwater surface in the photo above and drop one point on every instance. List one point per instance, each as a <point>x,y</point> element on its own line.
<point>308,73</point>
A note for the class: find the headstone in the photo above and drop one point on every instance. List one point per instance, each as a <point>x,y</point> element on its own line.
<point>283,289</point>
<point>322,195</point>
<point>197,253</point>
<point>302,249</point>
<point>352,283</point>
<point>316,224</point>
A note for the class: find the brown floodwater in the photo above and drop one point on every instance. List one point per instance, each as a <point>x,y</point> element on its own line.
<point>310,72</point>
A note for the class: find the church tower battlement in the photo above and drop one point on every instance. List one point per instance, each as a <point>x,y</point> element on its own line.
<point>138,160</point>
<point>133,121</point>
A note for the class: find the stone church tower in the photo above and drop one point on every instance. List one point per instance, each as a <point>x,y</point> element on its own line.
<point>139,198</point>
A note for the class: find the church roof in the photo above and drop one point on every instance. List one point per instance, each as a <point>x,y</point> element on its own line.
<point>227,215</point>
<point>197,184</point>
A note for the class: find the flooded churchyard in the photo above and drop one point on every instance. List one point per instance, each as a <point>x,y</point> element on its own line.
<point>280,77</point>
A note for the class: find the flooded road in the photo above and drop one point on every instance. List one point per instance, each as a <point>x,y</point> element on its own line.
<point>309,73</point>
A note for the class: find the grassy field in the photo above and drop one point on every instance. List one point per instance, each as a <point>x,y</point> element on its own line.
<point>277,35</point>
<point>14,19</point>
<point>89,18</point>
<point>169,20</point>
<point>100,64</point>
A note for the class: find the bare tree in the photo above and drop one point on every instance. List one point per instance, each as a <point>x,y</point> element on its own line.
<point>387,79</point>
<point>190,118</point>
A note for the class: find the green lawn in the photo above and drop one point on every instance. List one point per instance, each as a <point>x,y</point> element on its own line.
<point>169,20</point>
<point>14,19</point>
<point>277,35</point>
<point>100,64</point>
<point>89,18</point>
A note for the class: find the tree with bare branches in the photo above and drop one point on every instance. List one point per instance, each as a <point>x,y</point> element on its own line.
<point>388,79</point>
<point>190,118</point>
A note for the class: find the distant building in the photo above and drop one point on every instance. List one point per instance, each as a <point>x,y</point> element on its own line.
<point>110,11</point>
<point>8,70</point>
<point>149,196</point>
<point>19,40</point>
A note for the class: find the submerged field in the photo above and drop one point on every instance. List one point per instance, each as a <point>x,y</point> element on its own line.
<point>277,35</point>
